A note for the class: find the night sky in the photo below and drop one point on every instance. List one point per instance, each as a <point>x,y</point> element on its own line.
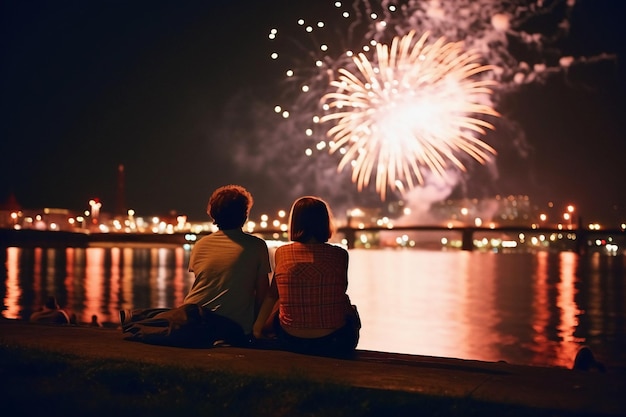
<point>174,90</point>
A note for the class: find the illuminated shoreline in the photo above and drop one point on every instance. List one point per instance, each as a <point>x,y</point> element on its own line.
<point>498,240</point>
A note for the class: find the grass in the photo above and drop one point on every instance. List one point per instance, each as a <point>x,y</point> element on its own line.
<point>36,382</point>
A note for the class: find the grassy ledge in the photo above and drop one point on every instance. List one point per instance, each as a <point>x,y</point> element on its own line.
<point>37,382</point>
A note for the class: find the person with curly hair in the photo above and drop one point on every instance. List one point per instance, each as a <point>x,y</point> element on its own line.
<point>231,269</point>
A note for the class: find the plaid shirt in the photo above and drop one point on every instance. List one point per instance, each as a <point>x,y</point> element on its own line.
<point>312,280</point>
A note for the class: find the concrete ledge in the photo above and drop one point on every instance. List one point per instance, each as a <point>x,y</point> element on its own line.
<point>544,388</point>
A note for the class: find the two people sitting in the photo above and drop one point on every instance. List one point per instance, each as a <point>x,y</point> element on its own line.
<point>232,300</point>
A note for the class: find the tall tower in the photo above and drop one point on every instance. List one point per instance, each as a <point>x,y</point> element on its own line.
<point>120,204</point>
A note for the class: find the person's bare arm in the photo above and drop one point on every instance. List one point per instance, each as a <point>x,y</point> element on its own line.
<point>266,309</point>
<point>260,291</point>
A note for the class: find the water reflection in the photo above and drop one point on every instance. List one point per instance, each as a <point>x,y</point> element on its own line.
<point>13,291</point>
<point>522,308</point>
<point>94,281</point>
<point>432,303</point>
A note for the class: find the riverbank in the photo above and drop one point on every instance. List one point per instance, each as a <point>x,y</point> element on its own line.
<point>99,370</point>
<point>31,238</point>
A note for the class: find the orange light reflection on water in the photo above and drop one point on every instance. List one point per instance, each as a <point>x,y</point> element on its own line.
<point>153,285</point>
<point>69,276</point>
<point>114,291</point>
<point>93,283</point>
<point>37,277</point>
<point>13,291</point>
<point>179,276</point>
<point>162,274</point>
<point>127,279</point>
<point>461,305</point>
<point>568,310</point>
<point>407,307</point>
<point>51,262</point>
<point>541,308</point>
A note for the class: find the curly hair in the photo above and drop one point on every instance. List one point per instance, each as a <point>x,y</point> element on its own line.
<point>229,206</point>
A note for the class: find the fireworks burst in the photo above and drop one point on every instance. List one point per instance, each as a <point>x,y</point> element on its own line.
<point>408,111</point>
<point>338,69</point>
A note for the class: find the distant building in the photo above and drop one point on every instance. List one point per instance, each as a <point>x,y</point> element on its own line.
<point>513,210</point>
<point>9,211</point>
<point>42,219</point>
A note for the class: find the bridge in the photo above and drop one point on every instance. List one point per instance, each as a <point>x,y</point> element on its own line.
<point>582,235</point>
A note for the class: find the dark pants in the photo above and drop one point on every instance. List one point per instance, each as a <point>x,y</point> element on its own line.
<point>339,344</point>
<point>189,325</point>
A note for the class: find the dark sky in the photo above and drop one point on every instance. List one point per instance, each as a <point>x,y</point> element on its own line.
<point>162,86</point>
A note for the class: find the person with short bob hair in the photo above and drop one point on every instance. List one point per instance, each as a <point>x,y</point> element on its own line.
<point>310,218</point>
<point>307,306</point>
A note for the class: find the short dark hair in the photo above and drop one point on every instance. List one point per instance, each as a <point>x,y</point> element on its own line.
<point>310,217</point>
<point>229,206</point>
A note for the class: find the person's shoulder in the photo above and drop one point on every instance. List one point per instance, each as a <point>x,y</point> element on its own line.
<point>252,237</point>
<point>204,239</point>
<point>254,240</point>
<point>284,248</point>
<point>337,250</point>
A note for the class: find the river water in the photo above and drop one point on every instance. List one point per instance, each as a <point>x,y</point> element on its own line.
<point>522,308</point>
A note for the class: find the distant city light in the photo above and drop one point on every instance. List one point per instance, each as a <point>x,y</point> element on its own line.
<point>515,210</point>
